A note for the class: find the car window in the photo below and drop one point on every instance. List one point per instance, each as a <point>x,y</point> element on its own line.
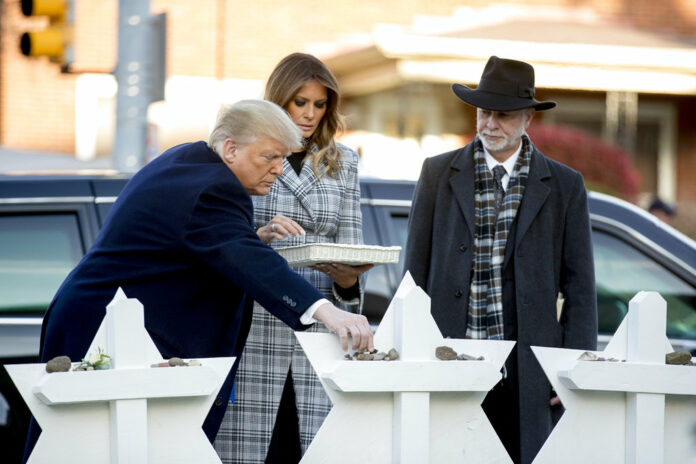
<point>400,222</point>
<point>36,254</point>
<point>621,271</point>
<point>378,288</point>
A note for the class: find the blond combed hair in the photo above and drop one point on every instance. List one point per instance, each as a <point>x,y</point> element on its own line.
<point>249,120</point>
<point>288,77</point>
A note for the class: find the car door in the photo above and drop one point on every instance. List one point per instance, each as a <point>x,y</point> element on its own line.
<point>626,264</point>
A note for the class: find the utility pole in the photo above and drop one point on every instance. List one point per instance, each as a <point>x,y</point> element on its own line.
<point>140,77</point>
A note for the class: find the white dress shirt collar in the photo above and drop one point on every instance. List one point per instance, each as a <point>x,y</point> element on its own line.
<point>508,164</point>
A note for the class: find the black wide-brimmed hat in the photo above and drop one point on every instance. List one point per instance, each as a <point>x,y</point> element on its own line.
<point>506,85</point>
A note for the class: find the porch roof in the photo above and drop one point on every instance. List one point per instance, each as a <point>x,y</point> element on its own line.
<point>570,49</point>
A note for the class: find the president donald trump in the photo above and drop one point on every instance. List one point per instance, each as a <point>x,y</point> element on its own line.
<point>180,239</point>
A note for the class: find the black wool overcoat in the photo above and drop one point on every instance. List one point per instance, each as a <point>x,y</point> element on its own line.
<point>549,251</point>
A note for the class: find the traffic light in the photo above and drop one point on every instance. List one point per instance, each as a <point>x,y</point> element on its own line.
<point>56,40</point>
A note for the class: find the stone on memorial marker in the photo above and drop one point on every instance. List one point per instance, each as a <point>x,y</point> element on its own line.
<point>374,355</point>
<point>176,361</point>
<point>58,364</point>
<point>392,355</point>
<point>588,356</point>
<point>445,353</point>
<point>678,358</point>
<point>468,357</point>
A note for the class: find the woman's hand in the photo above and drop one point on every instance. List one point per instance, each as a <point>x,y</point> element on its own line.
<point>343,275</point>
<point>278,228</point>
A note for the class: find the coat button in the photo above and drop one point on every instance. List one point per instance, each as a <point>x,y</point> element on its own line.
<point>458,293</point>
<point>218,401</point>
<point>462,247</point>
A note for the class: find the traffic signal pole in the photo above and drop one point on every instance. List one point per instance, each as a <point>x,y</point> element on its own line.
<point>133,77</point>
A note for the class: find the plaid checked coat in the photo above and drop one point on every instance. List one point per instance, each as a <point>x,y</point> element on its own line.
<point>329,211</point>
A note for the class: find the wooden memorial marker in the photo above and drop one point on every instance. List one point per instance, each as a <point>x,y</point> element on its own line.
<point>417,409</point>
<point>635,410</point>
<point>131,413</point>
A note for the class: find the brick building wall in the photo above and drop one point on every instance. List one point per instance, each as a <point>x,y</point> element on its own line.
<point>37,102</point>
<point>674,17</point>
<point>210,38</point>
<point>225,39</point>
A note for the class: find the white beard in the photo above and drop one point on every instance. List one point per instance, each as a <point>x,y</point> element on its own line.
<point>506,143</point>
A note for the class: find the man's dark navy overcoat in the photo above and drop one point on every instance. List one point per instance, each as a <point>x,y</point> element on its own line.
<point>180,239</point>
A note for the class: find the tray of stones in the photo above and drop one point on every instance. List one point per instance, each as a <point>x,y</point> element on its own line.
<point>354,255</point>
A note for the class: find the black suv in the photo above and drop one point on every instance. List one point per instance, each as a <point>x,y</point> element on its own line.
<point>633,251</point>
<point>47,223</point>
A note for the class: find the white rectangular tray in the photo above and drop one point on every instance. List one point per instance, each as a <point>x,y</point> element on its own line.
<point>307,255</point>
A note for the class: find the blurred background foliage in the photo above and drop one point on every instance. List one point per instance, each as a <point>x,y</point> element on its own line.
<point>606,168</point>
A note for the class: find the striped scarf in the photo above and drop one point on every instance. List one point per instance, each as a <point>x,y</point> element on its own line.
<point>485,319</point>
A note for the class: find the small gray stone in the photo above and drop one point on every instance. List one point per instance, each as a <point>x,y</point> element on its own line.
<point>58,364</point>
<point>379,356</point>
<point>393,355</point>
<point>176,361</point>
<point>588,356</point>
<point>194,362</point>
<point>679,358</point>
<point>468,357</point>
<point>445,353</point>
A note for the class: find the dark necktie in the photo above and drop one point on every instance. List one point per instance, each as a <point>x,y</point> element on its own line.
<point>498,173</point>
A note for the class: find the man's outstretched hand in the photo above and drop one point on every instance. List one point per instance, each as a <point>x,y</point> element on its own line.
<point>346,325</point>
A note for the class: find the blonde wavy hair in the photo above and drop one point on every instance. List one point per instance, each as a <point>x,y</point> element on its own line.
<point>289,75</point>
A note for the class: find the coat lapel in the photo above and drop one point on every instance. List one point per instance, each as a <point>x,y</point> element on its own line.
<point>535,194</point>
<point>462,182</point>
<point>301,185</point>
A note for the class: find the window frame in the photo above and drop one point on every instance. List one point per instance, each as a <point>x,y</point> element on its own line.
<point>82,208</point>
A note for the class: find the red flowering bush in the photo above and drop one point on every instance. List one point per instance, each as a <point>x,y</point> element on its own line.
<point>606,168</point>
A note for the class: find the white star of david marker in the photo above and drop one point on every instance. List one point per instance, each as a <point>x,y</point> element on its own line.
<point>131,413</point>
<point>415,410</point>
<point>637,411</point>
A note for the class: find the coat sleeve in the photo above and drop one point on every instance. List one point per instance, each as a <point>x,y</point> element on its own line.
<point>420,228</point>
<point>220,234</point>
<point>350,221</point>
<point>579,316</point>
